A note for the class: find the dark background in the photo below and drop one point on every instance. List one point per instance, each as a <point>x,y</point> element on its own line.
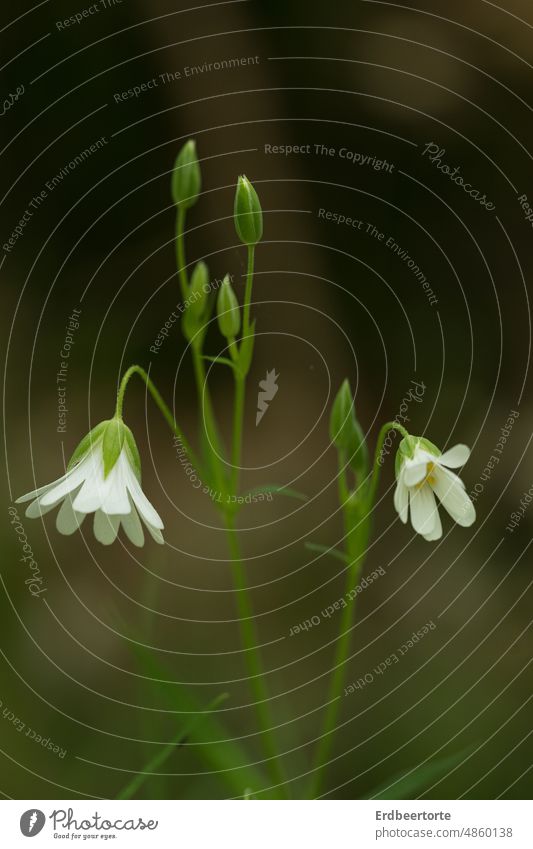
<point>377,78</point>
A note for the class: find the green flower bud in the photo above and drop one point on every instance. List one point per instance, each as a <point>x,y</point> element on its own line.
<point>248,214</point>
<point>345,431</point>
<point>186,178</point>
<point>197,300</point>
<point>228,310</point>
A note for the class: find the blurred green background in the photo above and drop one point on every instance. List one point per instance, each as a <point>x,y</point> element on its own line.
<point>331,301</point>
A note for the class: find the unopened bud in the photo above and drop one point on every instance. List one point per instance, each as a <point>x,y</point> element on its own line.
<point>228,310</point>
<point>248,213</point>
<point>186,178</point>
<point>345,431</point>
<point>199,289</point>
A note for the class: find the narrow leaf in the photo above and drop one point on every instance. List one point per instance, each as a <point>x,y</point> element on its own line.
<point>158,760</point>
<point>326,549</point>
<point>222,360</point>
<point>407,785</point>
<point>279,490</point>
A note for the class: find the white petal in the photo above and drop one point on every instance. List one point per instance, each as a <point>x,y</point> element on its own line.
<point>453,497</point>
<point>94,490</point>
<point>436,533</point>
<point>133,528</point>
<point>148,513</point>
<point>35,493</point>
<point>423,510</point>
<point>105,527</point>
<point>455,457</point>
<point>155,533</point>
<point>401,499</point>
<point>414,471</point>
<point>70,482</point>
<point>68,521</point>
<point>117,502</point>
<point>36,509</point>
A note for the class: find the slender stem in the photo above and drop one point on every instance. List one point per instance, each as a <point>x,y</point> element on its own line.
<point>248,291</point>
<point>240,379</point>
<point>342,649</point>
<point>204,397</point>
<point>357,528</point>
<point>208,419</point>
<point>164,409</point>
<point>253,658</point>
<point>180,252</point>
<point>377,457</point>
<point>248,633</point>
<point>238,424</point>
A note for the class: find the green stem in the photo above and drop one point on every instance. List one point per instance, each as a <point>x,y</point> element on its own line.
<point>357,527</point>
<point>238,424</point>
<point>253,658</point>
<point>342,649</point>
<point>204,397</point>
<point>163,408</point>
<point>377,465</point>
<point>180,252</point>
<point>248,291</point>
<point>208,419</point>
<point>240,379</point>
<point>248,633</point>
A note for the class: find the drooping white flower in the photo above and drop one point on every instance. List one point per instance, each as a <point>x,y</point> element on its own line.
<point>103,477</point>
<point>423,472</point>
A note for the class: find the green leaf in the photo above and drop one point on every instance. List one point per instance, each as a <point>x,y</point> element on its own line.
<point>406,785</point>
<point>326,549</point>
<point>224,361</point>
<point>279,490</point>
<point>159,759</point>
<point>87,443</point>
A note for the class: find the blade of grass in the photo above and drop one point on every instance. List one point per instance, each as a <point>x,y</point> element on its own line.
<point>159,759</point>
<point>405,785</point>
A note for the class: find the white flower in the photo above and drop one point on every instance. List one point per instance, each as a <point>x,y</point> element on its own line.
<point>103,477</point>
<point>423,472</point>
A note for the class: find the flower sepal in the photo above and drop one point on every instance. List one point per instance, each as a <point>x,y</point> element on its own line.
<point>87,443</point>
<point>407,449</point>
